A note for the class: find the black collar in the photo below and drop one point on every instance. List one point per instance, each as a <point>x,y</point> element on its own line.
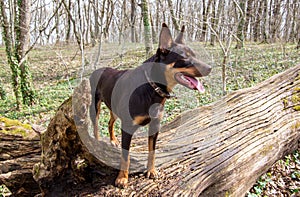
<point>157,89</point>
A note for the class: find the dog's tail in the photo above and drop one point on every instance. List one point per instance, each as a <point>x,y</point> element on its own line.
<point>94,79</point>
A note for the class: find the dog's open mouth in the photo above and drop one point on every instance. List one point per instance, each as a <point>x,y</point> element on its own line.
<point>189,82</point>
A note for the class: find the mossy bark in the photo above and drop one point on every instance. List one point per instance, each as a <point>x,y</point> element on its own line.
<point>175,23</point>
<point>19,151</point>
<point>9,49</point>
<point>22,45</point>
<point>241,27</point>
<point>16,52</point>
<point>147,27</point>
<point>2,92</point>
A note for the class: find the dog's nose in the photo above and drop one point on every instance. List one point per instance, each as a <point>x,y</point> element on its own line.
<point>205,69</point>
<point>208,70</point>
<point>202,67</point>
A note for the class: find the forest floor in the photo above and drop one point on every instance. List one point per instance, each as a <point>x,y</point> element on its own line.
<point>56,70</point>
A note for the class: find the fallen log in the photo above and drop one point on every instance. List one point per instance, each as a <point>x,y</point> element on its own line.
<point>17,157</point>
<point>216,150</point>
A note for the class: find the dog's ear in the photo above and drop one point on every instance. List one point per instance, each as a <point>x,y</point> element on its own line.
<point>179,38</point>
<point>165,38</point>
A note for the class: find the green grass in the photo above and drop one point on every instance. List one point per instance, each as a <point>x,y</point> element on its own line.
<point>56,68</point>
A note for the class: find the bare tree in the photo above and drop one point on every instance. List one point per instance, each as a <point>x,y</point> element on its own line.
<point>132,19</point>
<point>275,20</point>
<point>147,28</point>
<point>241,24</point>
<point>265,29</point>
<point>206,12</point>
<point>174,20</point>
<point>2,91</point>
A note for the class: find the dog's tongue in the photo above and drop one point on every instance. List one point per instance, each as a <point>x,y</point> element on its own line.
<point>197,85</point>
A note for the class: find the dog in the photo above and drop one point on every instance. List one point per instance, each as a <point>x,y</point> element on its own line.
<point>137,96</point>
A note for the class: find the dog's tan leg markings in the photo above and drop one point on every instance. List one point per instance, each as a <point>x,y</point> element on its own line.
<point>122,179</point>
<point>111,123</point>
<point>138,120</point>
<point>151,171</point>
<point>154,128</point>
<point>96,129</point>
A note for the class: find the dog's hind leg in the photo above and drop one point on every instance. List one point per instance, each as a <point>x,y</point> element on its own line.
<point>94,115</point>
<point>96,129</point>
<point>122,178</point>
<point>96,101</point>
<point>111,123</point>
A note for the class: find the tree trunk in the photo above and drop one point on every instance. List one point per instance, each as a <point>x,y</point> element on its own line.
<point>69,20</point>
<point>17,52</point>
<point>257,25</point>
<point>275,21</point>
<point>206,12</point>
<point>213,25</point>
<point>241,24</point>
<point>23,43</point>
<point>132,20</point>
<point>147,28</point>
<point>265,24</point>
<point>174,20</point>
<point>7,38</point>
<point>248,18</point>
<point>2,92</point>
<point>215,150</point>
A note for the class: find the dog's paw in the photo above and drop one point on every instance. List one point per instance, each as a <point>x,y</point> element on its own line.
<point>152,174</point>
<point>121,182</point>
<point>115,142</point>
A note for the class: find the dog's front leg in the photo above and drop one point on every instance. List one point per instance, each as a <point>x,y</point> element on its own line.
<point>154,128</point>
<point>122,179</point>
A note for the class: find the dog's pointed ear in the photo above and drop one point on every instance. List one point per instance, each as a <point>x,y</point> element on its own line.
<point>179,38</point>
<point>165,38</point>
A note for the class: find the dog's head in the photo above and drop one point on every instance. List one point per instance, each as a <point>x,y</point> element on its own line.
<point>182,66</point>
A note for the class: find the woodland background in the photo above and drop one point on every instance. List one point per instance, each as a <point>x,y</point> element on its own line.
<point>48,46</point>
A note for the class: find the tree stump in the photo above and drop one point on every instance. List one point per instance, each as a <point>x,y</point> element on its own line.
<point>215,150</point>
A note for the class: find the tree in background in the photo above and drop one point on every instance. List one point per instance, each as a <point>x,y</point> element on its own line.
<point>93,22</point>
<point>2,92</point>
<point>147,27</point>
<point>16,36</point>
<point>241,24</point>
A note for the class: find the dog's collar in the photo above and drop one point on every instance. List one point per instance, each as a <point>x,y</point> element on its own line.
<point>157,89</point>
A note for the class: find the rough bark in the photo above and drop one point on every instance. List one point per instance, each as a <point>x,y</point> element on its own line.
<point>23,43</point>
<point>9,49</point>
<point>147,27</point>
<point>241,24</point>
<point>174,20</point>
<point>17,157</point>
<point>215,150</point>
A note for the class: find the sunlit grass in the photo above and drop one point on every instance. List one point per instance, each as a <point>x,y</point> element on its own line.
<point>54,69</point>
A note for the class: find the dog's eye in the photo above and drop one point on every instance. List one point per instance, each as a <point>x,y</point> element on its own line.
<point>165,52</point>
<point>182,63</point>
<point>182,53</point>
